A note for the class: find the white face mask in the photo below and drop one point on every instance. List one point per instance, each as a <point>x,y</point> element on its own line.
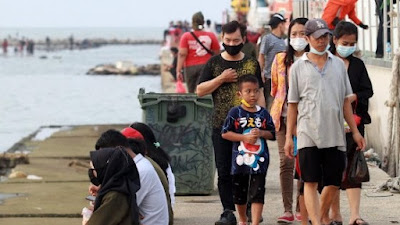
<point>345,51</point>
<point>298,44</point>
<point>315,51</point>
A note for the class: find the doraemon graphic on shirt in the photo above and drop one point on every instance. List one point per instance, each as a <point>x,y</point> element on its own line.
<point>251,154</point>
<point>249,158</point>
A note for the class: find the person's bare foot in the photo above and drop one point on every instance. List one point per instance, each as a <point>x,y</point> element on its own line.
<point>359,221</point>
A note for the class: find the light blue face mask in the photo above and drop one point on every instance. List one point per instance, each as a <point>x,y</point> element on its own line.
<point>345,51</point>
<point>315,51</point>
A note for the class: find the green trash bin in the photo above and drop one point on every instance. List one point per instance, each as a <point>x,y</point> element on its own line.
<point>182,125</point>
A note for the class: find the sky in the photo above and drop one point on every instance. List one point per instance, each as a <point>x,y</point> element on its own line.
<point>105,13</point>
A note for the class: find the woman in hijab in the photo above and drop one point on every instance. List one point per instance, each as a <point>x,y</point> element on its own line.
<point>116,173</point>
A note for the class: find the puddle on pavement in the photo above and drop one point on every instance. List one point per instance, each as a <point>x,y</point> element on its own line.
<point>4,196</point>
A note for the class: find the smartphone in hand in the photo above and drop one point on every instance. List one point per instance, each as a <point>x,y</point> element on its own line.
<point>90,198</point>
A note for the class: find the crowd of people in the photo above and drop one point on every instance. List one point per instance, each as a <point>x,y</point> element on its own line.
<point>131,178</point>
<point>21,45</point>
<point>299,86</point>
<point>290,92</point>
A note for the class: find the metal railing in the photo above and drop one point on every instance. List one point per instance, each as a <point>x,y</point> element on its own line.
<point>367,13</point>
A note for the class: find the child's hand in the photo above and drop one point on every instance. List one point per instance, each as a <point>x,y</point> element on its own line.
<point>256,132</point>
<point>250,138</point>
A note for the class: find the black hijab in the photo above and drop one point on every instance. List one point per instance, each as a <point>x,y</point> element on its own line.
<point>116,171</point>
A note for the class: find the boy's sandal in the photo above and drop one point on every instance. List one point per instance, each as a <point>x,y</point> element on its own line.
<point>359,221</point>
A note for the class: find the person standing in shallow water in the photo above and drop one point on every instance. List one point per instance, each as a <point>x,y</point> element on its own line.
<point>219,78</point>
<point>5,46</point>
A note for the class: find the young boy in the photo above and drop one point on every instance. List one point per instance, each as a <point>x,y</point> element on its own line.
<point>248,126</point>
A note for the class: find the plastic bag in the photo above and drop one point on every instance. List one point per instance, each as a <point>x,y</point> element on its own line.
<point>180,88</point>
<point>357,119</point>
<point>86,214</point>
<point>358,171</point>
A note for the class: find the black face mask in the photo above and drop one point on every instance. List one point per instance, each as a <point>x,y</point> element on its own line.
<point>233,49</point>
<point>93,179</point>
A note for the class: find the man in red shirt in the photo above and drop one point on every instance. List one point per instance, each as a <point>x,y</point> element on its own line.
<point>195,48</point>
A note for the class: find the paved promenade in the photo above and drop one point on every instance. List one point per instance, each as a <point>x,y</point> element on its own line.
<point>61,161</point>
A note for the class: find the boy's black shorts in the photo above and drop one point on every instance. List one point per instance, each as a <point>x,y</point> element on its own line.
<point>251,186</point>
<point>326,165</point>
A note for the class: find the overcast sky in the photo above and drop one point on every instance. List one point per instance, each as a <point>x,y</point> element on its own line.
<point>105,13</point>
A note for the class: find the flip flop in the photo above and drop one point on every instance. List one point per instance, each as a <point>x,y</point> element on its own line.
<point>360,222</point>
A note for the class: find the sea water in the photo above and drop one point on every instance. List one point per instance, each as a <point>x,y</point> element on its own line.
<point>37,92</point>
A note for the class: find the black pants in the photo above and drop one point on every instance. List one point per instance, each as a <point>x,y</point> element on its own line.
<point>223,161</point>
<point>379,41</point>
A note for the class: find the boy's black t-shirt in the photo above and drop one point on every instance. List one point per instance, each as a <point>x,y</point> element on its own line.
<point>225,96</point>
<point>249,158</point>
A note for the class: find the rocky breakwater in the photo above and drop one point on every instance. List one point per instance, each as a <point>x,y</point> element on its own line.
<point>11,160</point>
<point>86,43</point>
<point>125,68</point>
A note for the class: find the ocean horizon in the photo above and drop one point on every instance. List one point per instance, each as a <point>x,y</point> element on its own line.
<point>80,33</point>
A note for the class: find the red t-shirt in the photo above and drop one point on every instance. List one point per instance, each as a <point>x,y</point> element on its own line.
<point>197,55</point>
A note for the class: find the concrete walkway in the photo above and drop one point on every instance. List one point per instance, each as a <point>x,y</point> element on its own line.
<point>61,161</point>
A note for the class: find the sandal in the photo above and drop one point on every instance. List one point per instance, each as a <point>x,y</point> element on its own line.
<point>360,222</point>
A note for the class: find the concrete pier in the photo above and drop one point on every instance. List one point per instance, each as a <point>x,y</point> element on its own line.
<point>61,161</point>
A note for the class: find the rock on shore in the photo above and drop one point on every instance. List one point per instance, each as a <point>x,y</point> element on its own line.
<point>124,68</point>
<point>11,160</point>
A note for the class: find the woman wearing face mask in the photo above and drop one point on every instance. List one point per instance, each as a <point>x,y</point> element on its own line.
<point>279,89</point>
<point>116,174</point>
<point>345,40</point>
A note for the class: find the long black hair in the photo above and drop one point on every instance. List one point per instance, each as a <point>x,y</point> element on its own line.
<point>341,29</point>
<point>110,139</point>
<point>289,58</point>
<point>154,151</point>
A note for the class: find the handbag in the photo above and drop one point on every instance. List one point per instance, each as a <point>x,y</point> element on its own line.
<point>358,171</point>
